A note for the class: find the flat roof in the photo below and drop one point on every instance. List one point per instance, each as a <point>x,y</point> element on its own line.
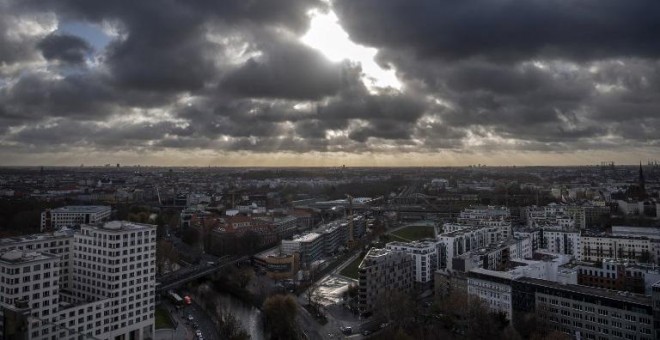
<point>33,238</point>
<point>20,256</point>
<point>306,237</point>
<point>599,292</point>
<point>82,209</point>
<point>121,226</point>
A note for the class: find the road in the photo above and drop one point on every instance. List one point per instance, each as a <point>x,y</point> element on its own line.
<point>203,321</point>
<point>181,276</point>
<point>181,331</point>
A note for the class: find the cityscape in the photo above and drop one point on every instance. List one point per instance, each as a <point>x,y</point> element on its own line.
<point>472,252</point>
<point>329,169</point>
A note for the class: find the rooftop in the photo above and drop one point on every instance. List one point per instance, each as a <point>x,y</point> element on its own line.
<point>121,226</point>
<point>37,237</point>
<point>599,292</point>
<point>306,237</point>
<point>82,209</point>
<point>20,256</point>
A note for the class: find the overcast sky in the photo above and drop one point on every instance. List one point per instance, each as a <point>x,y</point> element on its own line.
<point>355,82</point>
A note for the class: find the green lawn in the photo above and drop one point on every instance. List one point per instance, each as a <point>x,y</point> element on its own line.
<point>414,232</point>
<point>163,318</point>
<point>352,269</point>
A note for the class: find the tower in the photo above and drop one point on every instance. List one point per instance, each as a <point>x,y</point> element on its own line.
<point>642,184</point>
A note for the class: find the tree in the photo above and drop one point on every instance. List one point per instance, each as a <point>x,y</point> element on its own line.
<point>244,276</point>
<point>481,322</point>
<point>190,236</point>
<point>280,313</point>
<point>166,253</point>
<point>229,328</point>
<point>396,307</point>
<point>312,294</point>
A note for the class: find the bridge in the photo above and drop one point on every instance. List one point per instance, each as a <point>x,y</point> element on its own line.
<point>187,274</point>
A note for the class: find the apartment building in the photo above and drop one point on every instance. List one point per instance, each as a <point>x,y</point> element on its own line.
<point>71,215</point>
<point>596,248</point>
<point>492,287</point>
<point>585,312</point>
<point>459,242</point>
<point>108,295</point>
<point>381,272</point>
<point>619,274</point>
<point>424,256</point>
<point>562,242</point>
<point>480,213</point>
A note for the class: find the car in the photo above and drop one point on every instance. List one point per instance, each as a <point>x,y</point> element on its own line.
<point>198,333</point>
<point>190,317</point>
<point>366,332</point>
<point>346,330</point>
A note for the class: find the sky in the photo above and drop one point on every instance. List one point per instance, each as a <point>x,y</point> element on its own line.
<point>329,82</point>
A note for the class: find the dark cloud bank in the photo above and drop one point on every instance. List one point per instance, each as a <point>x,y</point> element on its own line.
<point>559,75</point>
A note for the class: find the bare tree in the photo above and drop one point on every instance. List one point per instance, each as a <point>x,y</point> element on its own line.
<point>166,254</point>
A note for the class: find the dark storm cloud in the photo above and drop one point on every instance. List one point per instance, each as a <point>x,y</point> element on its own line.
<point>86,96</point>
<point>166,46</point>
<point>286,69</point>
<point>506,29</point>
<point>63,47</point>
<point>558,75</point>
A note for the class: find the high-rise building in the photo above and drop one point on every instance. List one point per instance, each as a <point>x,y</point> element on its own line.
<point>381,272</point>
<point>108,292</point>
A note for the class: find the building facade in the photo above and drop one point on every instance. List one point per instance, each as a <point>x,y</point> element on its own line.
<point>381,272</point>
<point>74,215</point>
<point>424,256</point>
<point>109,294</point>
<point>585,312</point>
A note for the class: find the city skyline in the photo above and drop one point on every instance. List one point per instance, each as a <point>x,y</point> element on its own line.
<point>326,83</point>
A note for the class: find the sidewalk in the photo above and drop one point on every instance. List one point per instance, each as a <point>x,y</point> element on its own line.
<point>180,332</point>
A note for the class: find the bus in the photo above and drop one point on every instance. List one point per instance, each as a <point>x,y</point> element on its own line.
<point>175,298</point>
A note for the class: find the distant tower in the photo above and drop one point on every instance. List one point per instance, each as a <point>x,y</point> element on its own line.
<point>642,182</point>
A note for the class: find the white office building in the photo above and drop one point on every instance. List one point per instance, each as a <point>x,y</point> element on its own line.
<point>74,215</point>
<point>106,292</point>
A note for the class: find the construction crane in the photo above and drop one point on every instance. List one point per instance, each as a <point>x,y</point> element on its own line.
<point>351,240</point>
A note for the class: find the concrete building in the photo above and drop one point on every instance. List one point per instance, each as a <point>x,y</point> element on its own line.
<point>381,272</point>
<point>585,312</point>
<point>561,242</point>
<point>74,215</point>
<point>459,242</point>
<point>554,216</point>
<point>596,248</point>
<point>493,287</point>
<point>309,246</point>
<point>278,266</point>
<point>488,216</point>
<point>424,256</point>
<point>534,234</point>
<point>619,274</point>
<point>110,292</point>
<point>480,213</point>
<point>59,243</point>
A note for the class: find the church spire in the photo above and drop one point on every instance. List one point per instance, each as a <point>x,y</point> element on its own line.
<point>642,184</point>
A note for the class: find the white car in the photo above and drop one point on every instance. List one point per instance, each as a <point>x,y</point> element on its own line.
<point>198,333</point>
